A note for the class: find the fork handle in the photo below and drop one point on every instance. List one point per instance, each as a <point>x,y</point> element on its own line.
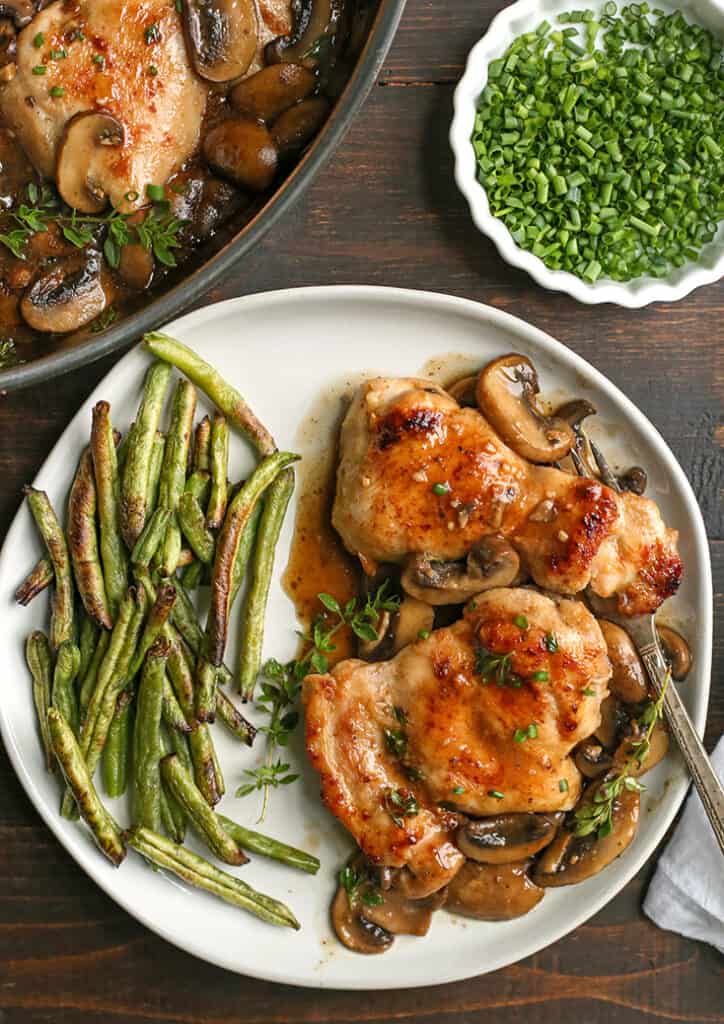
<point>707,784</point>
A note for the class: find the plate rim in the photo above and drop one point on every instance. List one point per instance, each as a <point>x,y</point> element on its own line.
<point>85,855</point>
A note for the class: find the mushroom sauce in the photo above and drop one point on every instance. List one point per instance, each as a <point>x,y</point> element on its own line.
<point>78,248</point>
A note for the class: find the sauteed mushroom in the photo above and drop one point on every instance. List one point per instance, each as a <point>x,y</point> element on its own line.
<point>271,91</point>
<point>21,12</point>
<point>314,21</point>
<point>89,145</point>
<point>493,892</point>
<point>463,391</point>
<point>66,297</point>
<point>515,414</point>
<point>507,837</point>
<point>570,859</point>
<point>628,681</point>
<point>298,125</point>
<point>612,718</point>
<point>396,630</point>
<point>221,37</point>
<point>658,748</point>
<point>634,480</point>
<point>354,930</point>
<point>676,651</point>
<point>398,914</point>
<point>243,151</point>
<point>592,759</point>
<point>493,563</point>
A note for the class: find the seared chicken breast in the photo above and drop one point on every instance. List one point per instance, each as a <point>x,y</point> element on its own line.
<point>420,474</point>
<point>443,724</point>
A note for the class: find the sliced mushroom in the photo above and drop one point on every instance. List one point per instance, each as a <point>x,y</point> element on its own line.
<point>592,759</point>
<point>243,151</point>
<point>634,480</point>
<point>506,837</point>
<point>676,651</point>
<point>377,649</point>
<point>493,563</point>
<point>398,914</point>
<point>658,749</point>
<point>20,12</point>
<point>612,718</point>
<point>315,22</point>
<point>271,91</point>
<point>493,892</point>
<point>463,391</point>
<point>87,150</point>
<point>574,413</point>
<point>396,630</point>
<point>296,127</point>
<point>66,297</point>
<point>426,884</point>
<point>221,36</point>
<point>353,930</point>
<point>507,394</point>
<point>570,859</point>
<point>628,681</point>
<point>136,263</point>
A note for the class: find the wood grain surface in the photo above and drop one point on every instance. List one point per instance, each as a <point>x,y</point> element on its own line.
<point>385,210</point>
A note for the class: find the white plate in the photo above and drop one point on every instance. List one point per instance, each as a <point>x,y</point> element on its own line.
<point>293,354</point>
<point>513,21</point>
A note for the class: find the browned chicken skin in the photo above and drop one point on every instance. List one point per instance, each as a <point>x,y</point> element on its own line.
<point>403,436</point>
<point>426,728</point>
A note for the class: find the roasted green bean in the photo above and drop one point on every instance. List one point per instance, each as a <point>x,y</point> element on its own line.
<point>108,489</point>
<point>83,544</point>
<point>246,546</point>
<point>89,680</point>
<point>173,716</point>
<point>199,484</point>
<point>173,471</point>
<point>38,579</point>
<point>193,526</point>
<point>199,872</point>
<point>233,719</point>
<point>202,446</point>
<point>276,501</point>
<point>117,750</point>
<point>157,618</point>
<point>222,394</point>
<point>199,814</point>
<point>37,656</point>
<point>81,786</point>
<point>136,474</point>
<point>205,690</point>
<point>192,575</point>
<point>62,611</point>
<point>204,760</point>
<point>87,642</point>
<point>267,847</point>
<point>64,697</point>
<point>150,537</point>
<point>154,471</point>
<point>227,548</point>
<point>147,738</point>
<point>219,472</point>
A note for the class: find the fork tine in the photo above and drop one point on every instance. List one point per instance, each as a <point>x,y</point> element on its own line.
<point>604,469</point>
<point>577,462</point>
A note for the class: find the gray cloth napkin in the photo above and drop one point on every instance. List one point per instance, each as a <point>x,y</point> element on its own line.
<point>686,894</point>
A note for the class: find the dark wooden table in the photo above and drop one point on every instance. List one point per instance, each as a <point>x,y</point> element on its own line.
<point>384,211</point>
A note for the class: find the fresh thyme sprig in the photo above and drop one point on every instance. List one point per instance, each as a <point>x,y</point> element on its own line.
<point>8,354</point>
<point>358,887</point>
<point>281,683</point>
<point>495,666</point>
<point>597,815</point>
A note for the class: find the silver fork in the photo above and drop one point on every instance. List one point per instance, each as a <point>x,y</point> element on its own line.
<point>643,632</point>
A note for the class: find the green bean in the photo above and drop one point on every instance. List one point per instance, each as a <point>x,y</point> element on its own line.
<point>206,690</point>
<point>219,472</point>
<point>157,618</point>
<point>154,471</point>
<point>276,501</point>
<point>267,847</point>
<point>202,818</point>
<point>64,698</point>
<point>202,446</point>
<point>136,475</point>
<point>105,468</point>
<point>233,719</point>
<point>199,484</point>
<point>62,612</point>
<point>191,576</point>
<point>179,674</point>
<point>88,641</point>
<point>193,526</point>
<point>218,774</point>
<point>83,544</point>
<point>246,547</point>
<point>199,872</point>
<point>122,448</point>
<point>37,656</point>
<point>222,394</point>
<point>173,471</point>
<point>117,749</point>
<point>172,713</point>
<point>204,760</point>
<point>151,537</point>
<point>147,738</point>
<point>81,785</point>
<point>173,826</point>
<point>38,579</point>
<point>227,548</point>
<point>88,683</point>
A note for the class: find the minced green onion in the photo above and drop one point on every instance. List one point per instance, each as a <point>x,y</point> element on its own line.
<point>521,621</point>
<point>155,193</point>
<point>541,676</point>
<point>563,785</point>
<point>600,146</point>
<point>440,489</point>
<point>496,794</point>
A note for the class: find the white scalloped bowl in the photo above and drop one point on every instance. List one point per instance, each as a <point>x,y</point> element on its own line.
<point>521,17</point>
